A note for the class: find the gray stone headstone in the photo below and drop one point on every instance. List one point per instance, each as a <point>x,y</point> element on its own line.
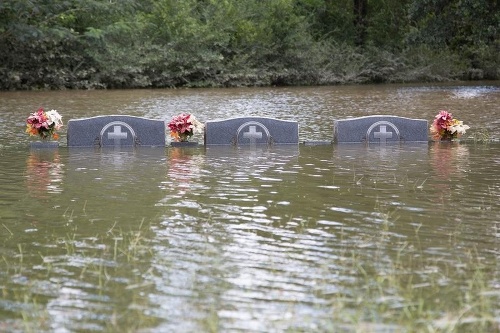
<point>251,131</point>
<point>380,129</point>
<point>116,130</point>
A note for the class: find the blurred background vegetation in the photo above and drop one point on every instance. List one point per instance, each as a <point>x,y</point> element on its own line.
<point>92,44</point>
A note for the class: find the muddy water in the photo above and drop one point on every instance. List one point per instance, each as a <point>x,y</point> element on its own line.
<point>305,238</point>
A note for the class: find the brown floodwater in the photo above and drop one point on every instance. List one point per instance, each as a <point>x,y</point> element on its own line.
<point>337,238</point>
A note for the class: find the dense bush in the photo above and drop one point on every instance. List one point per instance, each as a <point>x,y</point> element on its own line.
<point>89,44</point>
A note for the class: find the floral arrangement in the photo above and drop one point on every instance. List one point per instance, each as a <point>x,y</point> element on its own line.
<point>444,127</point>
<point>44,124</point>
<point>183,126</point>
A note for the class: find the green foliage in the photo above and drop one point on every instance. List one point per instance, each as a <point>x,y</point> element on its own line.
<point>387,23</point>
<point>329,19</point>
<point>427,64</point>
<point>457,24</point>
<point>467,28</point>
<point>207,43</point>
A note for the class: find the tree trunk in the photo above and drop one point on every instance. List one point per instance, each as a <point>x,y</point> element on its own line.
<point>360,10</point>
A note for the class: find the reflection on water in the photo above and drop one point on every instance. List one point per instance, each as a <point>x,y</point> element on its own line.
<point>449,159</point>
<point>44,172</point>
<point>115,185</point>
<point>450,163</point>
<point>354,237</point>
<point>184,169</point>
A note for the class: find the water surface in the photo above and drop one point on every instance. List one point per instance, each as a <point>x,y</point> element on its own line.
<point>344,238</point>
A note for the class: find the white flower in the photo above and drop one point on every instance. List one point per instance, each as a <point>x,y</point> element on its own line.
<point>458,127</point>
<point>196,125</point>
<point>54,118</point>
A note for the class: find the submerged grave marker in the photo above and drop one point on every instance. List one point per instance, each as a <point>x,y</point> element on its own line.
<point>380,129</point>
<point>251,131</point>
<point>116,130</point>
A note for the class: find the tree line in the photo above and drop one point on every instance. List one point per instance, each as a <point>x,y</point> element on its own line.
<point>92,44</point>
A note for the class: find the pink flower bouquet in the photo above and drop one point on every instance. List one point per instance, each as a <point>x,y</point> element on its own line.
<point>44,124</point>
<point>444,127</point>
<point>183,126</point>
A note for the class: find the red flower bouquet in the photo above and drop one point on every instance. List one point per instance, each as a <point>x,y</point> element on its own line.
<point>183,126</point>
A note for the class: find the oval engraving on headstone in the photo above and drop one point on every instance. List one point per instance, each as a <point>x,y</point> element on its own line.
<point>117,133</point>
<point>383,134</point>
<point>252,132</point>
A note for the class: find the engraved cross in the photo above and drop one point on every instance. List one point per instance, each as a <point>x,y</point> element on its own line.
<point>383,135</point>
<point>117,134</point>
<point>252,134</point>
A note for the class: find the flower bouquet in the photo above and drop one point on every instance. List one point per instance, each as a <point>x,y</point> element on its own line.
<point>183,126</point>
<point>44,124</point>
<point>445,128</point>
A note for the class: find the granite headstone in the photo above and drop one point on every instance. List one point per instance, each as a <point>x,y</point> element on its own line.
<point>380,129</point>
<point>116,130</point>
<point>251,131</point>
